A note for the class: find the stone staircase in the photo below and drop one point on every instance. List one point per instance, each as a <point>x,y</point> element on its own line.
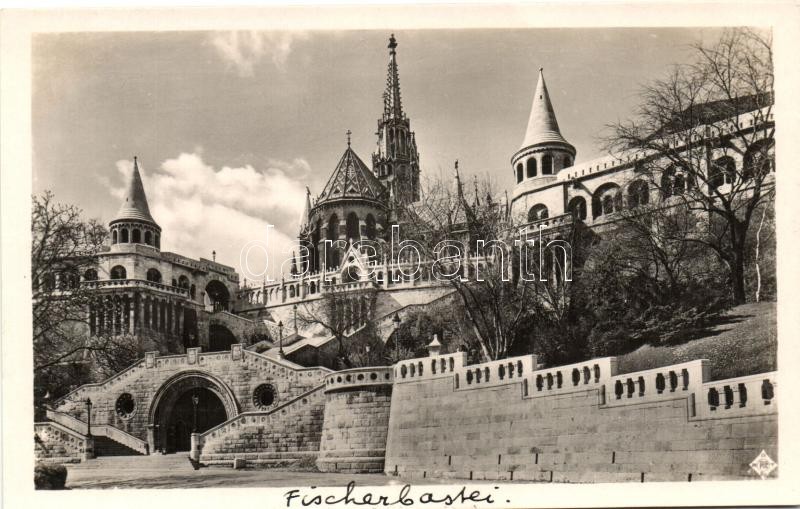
<point>104,446</point>
<point>126,464</point>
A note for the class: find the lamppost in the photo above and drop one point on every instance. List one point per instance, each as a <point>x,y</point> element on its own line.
<point>88,417</point>
<point>280,338</point>
<point>294,308</point>
<point>195,401</point>
<point>396,321</point>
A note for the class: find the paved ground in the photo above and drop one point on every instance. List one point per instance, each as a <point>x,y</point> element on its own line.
<point>175,471</point>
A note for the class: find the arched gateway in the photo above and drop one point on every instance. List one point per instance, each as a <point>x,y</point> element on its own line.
<point>190,401</point>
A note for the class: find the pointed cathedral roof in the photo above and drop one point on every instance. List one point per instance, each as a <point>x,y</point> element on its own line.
<point>134,207</point>
<point>542,123</point>
<point>392,105</point>
<point>305,219</point>
<point>351,179</point>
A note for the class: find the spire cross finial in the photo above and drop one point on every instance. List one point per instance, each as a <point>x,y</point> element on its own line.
<point>348,133</point>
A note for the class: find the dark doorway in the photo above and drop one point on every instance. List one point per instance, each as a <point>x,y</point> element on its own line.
<point>220,338</point>
<point>218,296</point>
<point>196,410</point>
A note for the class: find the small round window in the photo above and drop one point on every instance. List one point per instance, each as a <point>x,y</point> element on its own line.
<point>264,396</point>
<point>125,405</point>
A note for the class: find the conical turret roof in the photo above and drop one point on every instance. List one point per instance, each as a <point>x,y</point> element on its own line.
<point>351,179</point>
<point>134,207</point>
<point>542,123</point>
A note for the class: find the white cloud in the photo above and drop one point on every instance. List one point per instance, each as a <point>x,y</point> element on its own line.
<point>243,50</point>
<point>201,208</point>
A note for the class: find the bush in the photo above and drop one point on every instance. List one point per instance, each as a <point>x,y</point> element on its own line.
<point>50,477</point>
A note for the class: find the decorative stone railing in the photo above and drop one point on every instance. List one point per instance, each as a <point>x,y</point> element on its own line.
<point>590,374</point>
<point>119,436</point>
<point>549,222</point>
<point>51,433</point>
<point>284,368</point>
<point>358,377</point>
<point>736,397</point>
<point>500,372</point>
<point>266,417</point>
<point>79,428</point>
<point>414,370</point>
<point>194,356</point>
<point>135,284</point>
<point>669,382</point>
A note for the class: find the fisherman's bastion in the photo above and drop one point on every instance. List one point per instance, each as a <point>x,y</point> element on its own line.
<point>229,377</point>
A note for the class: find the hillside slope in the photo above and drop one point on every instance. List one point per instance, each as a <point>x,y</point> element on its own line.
<point>743,342</point>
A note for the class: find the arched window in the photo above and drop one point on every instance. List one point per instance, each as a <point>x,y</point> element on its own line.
<point>119,272</point>
<point>531,167</point>
<point>606,199</point>
<point>722,171</point>
<point>183,282</point>
<point>49,282</point>
<point>114,236</point>
<point>333,227</point>
<point>124,236</point>
<point>192,291</point>
<point>371,227</point>
<point>577,206</point>
<point>90,275</point>
<point>352,227</point>
<point>638,194</point>
<point>519,173</point>
<point>537,212</point>
<point>153,275</point>
<point>148,238</point>
<point>174,282</point>
<point>567,161</point>
<point>547,164</point>
<point>136,236</point>
<point>158,241</point>
<point>759,159</point>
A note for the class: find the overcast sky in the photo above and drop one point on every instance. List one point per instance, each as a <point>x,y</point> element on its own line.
<point>230,127</point>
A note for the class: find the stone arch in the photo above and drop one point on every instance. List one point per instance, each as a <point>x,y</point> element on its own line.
<point>352,228</point>
<point>759,159</point>
<point>119,272</point>
<point>124,236</point>
<point>371,227</point>
<point>530,167</point>
<point>136,236</point>
<point>218,295</point>
<point>547,164</point>
<point>333,227</point>
<point>153,275</point>
<point>538,211</point>
<point>161,409</point>
<point>220,338</point>
<point>606,200</point>
<point>722,171</point>
<point>519,173</point>
<point>638,194</point>
<point>148,238</point>
<point>577,206</point>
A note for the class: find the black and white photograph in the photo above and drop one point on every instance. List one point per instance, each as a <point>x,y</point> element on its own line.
<point>375,264</point>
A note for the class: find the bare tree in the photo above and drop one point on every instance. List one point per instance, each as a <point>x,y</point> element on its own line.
<point>63,250</point>
<point>341,313</point>
<point>703,137</point>
<point>472,241</point>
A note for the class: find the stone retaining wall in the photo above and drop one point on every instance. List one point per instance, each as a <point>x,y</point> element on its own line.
<point>580,423</point>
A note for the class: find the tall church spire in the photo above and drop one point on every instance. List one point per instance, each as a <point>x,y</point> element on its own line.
<point>542,123</point>
<point>396,160</point>
<point>392,105</point>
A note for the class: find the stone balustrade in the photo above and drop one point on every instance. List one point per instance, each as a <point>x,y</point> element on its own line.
<point>358,377</point>
<point>735,397</point>
<point>669,382</point>
<point>135,284</point>
<point>572,377</point>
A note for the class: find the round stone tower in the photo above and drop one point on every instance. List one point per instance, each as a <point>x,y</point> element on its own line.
<point>544,151</point>
<point>133,223</point>
<point>356,420</point>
